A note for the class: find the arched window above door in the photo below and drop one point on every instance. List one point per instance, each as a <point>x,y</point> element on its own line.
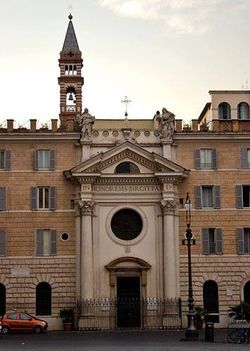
<point>127,167</point>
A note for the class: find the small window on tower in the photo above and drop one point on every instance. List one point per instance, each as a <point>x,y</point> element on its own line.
<point>66,69</point>
<point>75,72</point>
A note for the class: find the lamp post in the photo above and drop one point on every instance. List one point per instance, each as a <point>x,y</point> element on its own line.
<point>191,333</point>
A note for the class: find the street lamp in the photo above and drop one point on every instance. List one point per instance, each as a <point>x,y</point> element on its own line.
<point>191,333</point>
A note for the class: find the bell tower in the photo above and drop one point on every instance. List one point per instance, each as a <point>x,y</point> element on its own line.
<point>70,80</point>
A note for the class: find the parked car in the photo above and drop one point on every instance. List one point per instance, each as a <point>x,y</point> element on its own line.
<point>22,321</point>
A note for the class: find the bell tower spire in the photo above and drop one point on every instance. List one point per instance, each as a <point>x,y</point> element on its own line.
<point>70,80</point>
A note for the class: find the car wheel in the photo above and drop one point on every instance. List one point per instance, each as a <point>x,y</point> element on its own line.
<point>37,330</point>
<point>5,330</point>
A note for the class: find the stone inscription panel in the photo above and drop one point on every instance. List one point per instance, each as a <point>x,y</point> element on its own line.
<point>127,188</point>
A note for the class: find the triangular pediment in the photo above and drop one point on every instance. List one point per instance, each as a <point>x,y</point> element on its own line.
<point>147,162</point>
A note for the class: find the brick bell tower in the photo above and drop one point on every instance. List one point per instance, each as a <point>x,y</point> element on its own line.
<point>70,80</point>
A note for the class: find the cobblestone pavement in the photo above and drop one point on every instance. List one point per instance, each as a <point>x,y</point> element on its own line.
<point>115,341</point>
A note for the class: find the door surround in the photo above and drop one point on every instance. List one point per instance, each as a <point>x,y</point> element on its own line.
<point>128,267</point>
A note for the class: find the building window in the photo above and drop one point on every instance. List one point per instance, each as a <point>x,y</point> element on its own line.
<point>2,242</point>
<point>5,160</point>
<point>247,292</point>
<point>210,296</point>
<point>211,241</point>
<point>2,299</point>
<point>45,242</point>
<point>224,110</point>
<point>2,199</point>
<point>44,160</point>
<point>205,159</point>
<point>127,167</point>
<point>242,196</point>
<point>243,110</point>
<point>43,299</point>
<point>245,158</point>
<point>126,224</point>
<point>243,241</point>
<point>43,198</point>
<point>207,196</point>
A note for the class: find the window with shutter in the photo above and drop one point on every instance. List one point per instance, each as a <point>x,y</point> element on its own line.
<point>45,242</point>
<point>211,241</point>
<point>245,158</point>
<point>5,160</point>
<point>207,159</point>
<point>243,240</point>
<point>44,160</point>
<point>207,196</point>
<point>2,243</point>
<point>43,198</point>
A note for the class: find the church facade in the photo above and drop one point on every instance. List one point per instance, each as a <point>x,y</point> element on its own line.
<point>92,211</point>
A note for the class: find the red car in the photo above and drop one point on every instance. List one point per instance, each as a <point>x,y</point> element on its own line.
<point>22,321</point>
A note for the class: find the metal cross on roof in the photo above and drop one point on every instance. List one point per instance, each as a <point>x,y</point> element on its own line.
<point>126,101</point>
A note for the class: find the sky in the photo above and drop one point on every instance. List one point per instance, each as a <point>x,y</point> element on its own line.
<point>159,53</point>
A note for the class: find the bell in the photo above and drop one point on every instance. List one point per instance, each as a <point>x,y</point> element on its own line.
<point>71,96</point>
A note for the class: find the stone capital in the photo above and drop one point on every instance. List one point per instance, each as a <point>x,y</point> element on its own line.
<point>86,207</point>
<point>168,206</point>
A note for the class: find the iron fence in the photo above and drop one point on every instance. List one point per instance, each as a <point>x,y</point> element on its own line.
<point>149,313</point>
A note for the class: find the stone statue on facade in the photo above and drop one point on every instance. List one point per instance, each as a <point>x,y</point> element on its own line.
<point>166,122</point>
<point>86,121</point>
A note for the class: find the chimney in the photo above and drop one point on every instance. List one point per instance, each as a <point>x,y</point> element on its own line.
<point>32,125</point>
<point>178,125</point>
<point>10,123</point>
<point>54,125</point>
<point>194,125</point>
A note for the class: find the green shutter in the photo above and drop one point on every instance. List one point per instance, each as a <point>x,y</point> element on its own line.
<point>216,196</point>
<point>197,196</point>
<point>52,198</point>
<point>2,243</point>
<point>197,159</point>
<point>218,241</point>
<point>52,160</point>
<point>240,240</point>
<point>33,198</point>
<point>205,241</point>
<point>7,160</point>
<point>36,160</point>
<point>2,199</point>
<point>238,196</point>
<point>243,158</point>
<point>214,159</point>
<point>53,242</point>
<point>39,242</point>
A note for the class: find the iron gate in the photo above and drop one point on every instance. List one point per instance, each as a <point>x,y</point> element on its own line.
<point>149,313</point>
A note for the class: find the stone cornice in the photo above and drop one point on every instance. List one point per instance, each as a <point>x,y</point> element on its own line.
<point>127,180</point>
<point>211,136</point>
<point>34,137</point>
